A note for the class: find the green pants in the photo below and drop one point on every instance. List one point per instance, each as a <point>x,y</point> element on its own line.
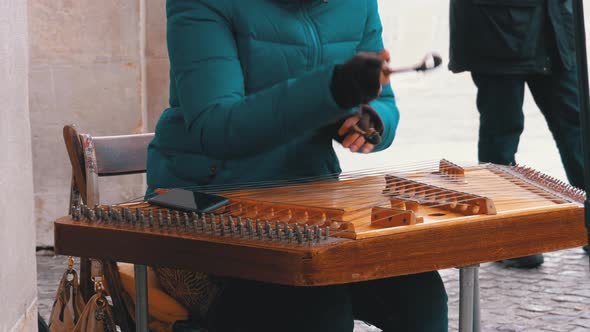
<point>413,303</point>
<point>499,101</point>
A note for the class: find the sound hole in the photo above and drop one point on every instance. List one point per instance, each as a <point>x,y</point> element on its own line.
<point>436,214</point>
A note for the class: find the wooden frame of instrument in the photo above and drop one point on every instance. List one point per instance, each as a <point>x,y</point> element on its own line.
<point>460,241</point>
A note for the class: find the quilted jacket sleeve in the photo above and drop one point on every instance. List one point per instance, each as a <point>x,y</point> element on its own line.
<point>385,104</point>
<point>222,121</point>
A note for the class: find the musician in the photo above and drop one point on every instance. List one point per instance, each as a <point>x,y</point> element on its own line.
<point>258,91</point>
<point>505,44</point>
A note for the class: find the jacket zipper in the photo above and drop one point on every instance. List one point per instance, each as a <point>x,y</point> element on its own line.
<point>316,47</point>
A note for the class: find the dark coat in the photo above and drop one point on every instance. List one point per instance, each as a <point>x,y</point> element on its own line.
<point>511,36</point>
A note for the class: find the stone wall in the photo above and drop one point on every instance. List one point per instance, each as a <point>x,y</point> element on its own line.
<point>87,68</point>
<point>18,291</point>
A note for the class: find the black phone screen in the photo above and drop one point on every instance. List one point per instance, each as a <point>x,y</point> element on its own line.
<point>189,201</point>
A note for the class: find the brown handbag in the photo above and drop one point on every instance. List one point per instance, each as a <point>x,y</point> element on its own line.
<point>98,314</point>
<point>68,304</point>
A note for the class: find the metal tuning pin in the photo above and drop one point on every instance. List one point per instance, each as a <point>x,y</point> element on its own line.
<point>132,220</point>
<point>211,222</point>
<point>123,216</point>
<point>196,222</point>
<point>150,218</point>
<point>268,230</point>
<point>184,222</point>
<point>249,227</point>
<point>91,214</point>
<point>212,226</point>
<point>112,215</point>
<point>230,222</point>
<point>308,236</point>
<point>141,220</point>
<point>316,233</point>
<point>326,232</point>
<point>288,233</point>
<point>278,230</point>
<point>298,234</point>
<point>168,219</point>
<point>241,230</point>
<point>75,213</point>
<point>222,225</point>
<point>177,220</point>
<point>193,221</point>
<point>97,213</point>
<point>306,231</point>
<point>115,216</point>
<point>259,229</point>
<point>256,224</point>
<point>160,219</point>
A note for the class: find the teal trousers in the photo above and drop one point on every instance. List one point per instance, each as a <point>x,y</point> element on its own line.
<point>413,303</point>
<point>499,101</point>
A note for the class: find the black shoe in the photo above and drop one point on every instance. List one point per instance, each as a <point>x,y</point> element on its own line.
<point>586,249</point>
<point>526,262</point>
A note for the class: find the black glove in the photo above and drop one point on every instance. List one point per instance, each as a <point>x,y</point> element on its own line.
<point>357,81</point>
<point>371,124</point>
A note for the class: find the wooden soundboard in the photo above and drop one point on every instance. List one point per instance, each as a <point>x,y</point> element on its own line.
<point>359,228</point>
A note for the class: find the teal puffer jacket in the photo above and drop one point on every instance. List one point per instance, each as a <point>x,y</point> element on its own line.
<point>250,92</point>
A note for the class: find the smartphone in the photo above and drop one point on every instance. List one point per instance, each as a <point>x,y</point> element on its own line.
<point>189,201</point>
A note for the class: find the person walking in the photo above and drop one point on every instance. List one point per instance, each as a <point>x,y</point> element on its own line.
<point>507,44</point>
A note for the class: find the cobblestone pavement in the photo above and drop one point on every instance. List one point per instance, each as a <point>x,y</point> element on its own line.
<point>554,297</point>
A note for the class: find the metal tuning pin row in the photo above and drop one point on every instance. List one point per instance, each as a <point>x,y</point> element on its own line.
<point>209,224</point>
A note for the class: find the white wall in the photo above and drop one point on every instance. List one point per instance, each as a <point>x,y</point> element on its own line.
<point>18,289</point>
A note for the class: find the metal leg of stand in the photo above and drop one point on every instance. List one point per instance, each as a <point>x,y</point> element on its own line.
<point>476,317</point>
<point>469,299</point>
<point>141,298</point>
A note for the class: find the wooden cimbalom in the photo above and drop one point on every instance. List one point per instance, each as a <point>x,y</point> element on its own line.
<point>365,225</point>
